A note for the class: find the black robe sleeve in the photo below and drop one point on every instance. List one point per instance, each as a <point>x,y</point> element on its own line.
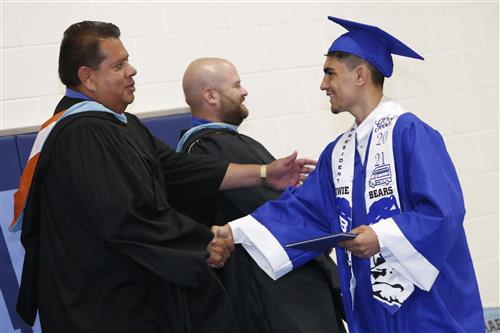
<point>183,174</point>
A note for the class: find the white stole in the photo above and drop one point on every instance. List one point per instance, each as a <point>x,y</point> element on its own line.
<point>381,198</point>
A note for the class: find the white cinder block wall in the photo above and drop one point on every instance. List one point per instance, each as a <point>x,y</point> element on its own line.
<point>278,48</point>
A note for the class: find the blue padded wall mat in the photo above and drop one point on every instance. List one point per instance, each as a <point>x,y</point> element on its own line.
<point>24,144</point>
<point>10,169</point>
<point>168,129</point>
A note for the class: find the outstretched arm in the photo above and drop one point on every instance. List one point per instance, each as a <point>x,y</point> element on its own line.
<point>280,174</point>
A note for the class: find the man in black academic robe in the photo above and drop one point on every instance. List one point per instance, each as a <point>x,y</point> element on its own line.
<point>105,251</point>
<point>306,300</point>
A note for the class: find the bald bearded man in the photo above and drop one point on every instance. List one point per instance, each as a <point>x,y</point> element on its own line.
<point>296,303</point>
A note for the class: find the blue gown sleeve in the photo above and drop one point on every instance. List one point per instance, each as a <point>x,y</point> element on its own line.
<point>418,241</point>
<point>300,213</point>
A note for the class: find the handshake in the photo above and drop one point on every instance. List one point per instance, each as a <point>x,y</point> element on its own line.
<point>220,246</point>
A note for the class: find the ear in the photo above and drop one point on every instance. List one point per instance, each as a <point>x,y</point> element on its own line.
<point>210,96</point>
<point>362,74</point>
<point>86,76</point>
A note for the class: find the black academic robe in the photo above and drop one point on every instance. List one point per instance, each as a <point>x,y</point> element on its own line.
<point>105,252</point>
<point>305,300</point>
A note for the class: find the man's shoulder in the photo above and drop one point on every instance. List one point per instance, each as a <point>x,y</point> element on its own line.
<point>94,117</point>
<point>410,121</point>
<point>410,131</point>
<point>228,145</point>
<point>214,133</point>
<point>209,135</point>
<point>86,122</point>
<point>223,136</point>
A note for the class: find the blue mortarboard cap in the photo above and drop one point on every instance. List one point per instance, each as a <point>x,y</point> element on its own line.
<point>372,44</point>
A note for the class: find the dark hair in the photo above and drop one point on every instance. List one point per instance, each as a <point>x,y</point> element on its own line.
<point>351,61</point>
<point>81,47</point>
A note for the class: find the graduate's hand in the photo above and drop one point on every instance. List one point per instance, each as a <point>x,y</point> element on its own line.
<point>288,171</point>
<point>220,247</point>
<point>365,245</point>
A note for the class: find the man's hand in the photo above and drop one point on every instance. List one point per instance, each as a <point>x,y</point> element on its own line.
<point>288,171</point>
<point>365,245</point>
<point>220,247</point>
<point>223,231</point>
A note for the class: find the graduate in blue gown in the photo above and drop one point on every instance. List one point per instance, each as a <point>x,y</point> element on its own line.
<point>388,179</point>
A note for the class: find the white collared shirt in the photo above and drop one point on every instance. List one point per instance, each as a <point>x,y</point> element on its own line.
<point>364,129</point>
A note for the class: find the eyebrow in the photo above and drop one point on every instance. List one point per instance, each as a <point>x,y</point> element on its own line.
<point>116,62</point>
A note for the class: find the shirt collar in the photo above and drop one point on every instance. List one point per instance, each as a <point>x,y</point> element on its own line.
<point>195,121</point>
<point>364,129</point>
<point>76,94</point>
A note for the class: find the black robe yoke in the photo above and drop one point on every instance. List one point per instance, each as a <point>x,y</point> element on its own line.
<point>306,300</point>
<point>105,252</point>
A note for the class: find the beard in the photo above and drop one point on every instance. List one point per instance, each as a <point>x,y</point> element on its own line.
<point>232,112</point>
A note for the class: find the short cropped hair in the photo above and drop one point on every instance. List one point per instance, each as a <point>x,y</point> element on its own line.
<point>81,47</point>
<point>351,61</point>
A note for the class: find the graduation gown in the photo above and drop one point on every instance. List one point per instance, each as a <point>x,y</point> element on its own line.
<point>105,252</point>
<point>307,300</point>
<point>430,221</point>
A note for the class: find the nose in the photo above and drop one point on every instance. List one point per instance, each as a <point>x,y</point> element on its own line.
<point>244,92</point>
<point>131,70</point>
<point>323,85</point>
